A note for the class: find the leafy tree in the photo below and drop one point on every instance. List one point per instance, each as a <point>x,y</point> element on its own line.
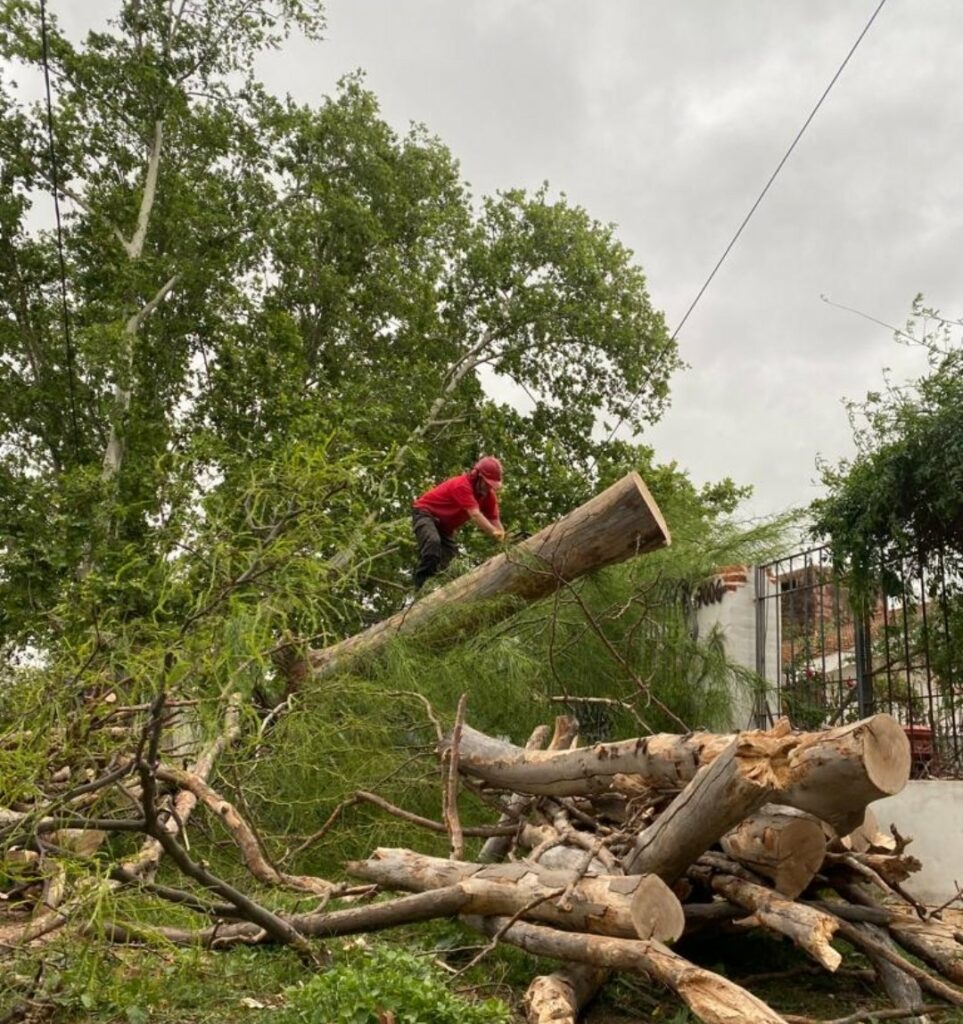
<point>901,497</point>
<point>894,515</point>
<point>156,149</point>
<point>247,278</point>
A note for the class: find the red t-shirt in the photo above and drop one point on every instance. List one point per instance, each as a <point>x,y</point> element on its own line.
<point>451,501</point>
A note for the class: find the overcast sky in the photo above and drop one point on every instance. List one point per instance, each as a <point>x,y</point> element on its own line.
<point>667,118</point>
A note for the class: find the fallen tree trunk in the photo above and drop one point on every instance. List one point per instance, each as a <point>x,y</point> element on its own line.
<point>621,522</point>
<point>834,774</point>
<point>605,905</point>
<point>711,997</point>
<point>782,844</point>
<point>720,795</point>
<point>838,773</point>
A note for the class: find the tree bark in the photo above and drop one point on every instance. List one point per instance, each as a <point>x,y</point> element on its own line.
<point>932,942</point>
<point>780,843</point>
<point>810,929</point>
<point>605,905</point>
<point>496,848</point>
<point>114,452</point>
<point>712,998</point>
<point>834,774</point>
<point>247,842</point>
<point>621,522</point>
<point>559,998</point>
<point>841,771</point>
<point>722,793</point>
<point>903,990</point>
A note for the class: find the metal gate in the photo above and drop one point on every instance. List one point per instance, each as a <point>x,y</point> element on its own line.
<point>825,663</point>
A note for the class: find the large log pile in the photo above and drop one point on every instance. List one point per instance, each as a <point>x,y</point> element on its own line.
<point>605,858</point>
<point>623,849</point>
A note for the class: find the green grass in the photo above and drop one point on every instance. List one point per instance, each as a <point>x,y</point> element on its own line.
<point>408,972</point>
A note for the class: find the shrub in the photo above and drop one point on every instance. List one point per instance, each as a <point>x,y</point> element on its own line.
<point>367,983</point>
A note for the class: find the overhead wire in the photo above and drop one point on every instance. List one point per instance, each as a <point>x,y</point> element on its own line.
<point>745,220</point>
<point>54,179</point>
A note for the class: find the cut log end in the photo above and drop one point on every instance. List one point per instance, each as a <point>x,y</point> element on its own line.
<point>652,509</point>
<point>886,754</point>
<point>656,911</point>
<point>781,844</point>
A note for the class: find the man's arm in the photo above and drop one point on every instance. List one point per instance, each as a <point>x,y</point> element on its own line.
<point>495,530</point>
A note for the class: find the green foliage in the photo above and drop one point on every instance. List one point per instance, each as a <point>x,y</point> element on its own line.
<point>894,515</point>
<point>901,497</point>
<point>281,317</point>
<point>299,277</point>
<point>93,981</point>
<point>366,983</point>
<point>616,650</point>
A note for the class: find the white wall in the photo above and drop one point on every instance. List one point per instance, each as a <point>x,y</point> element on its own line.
<point>931,811</point>
<point>735,616</point>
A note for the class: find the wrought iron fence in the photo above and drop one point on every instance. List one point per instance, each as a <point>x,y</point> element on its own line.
<point>827,663</point>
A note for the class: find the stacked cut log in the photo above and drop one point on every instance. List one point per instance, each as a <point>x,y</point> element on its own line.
<point>605,858</point>
<point>622,850</point>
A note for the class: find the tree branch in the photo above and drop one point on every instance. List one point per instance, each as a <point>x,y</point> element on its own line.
<point>135,247</point>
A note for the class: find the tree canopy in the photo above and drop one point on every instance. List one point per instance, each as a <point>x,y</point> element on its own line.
<point>900,499</point>
<point>250,280</point>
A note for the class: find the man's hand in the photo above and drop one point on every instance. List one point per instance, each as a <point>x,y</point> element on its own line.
<point>495,530</point>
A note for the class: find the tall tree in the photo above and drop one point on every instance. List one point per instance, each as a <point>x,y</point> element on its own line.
<point>251,280</point>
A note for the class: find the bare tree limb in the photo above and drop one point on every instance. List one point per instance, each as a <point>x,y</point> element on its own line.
<point>450,790</point>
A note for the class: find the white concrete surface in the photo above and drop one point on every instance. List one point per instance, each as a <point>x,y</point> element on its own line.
<point>735,617</point>
<point>931,811</point>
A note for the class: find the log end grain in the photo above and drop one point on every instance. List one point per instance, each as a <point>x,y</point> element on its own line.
<point>886,754</point>
<point>656,911</point>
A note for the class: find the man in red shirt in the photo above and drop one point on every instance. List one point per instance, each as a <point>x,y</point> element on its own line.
<point>438,513</point>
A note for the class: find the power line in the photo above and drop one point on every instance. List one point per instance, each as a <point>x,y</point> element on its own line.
<point>60,237</point>
<point>747,218</point>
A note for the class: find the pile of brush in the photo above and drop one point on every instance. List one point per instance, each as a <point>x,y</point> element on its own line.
<point>602,857</point>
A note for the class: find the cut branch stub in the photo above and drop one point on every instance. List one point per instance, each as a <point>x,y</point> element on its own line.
<point>621,522</point>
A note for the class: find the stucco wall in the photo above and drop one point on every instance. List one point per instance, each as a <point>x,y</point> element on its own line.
<point>735,615</point>
<point>931,811</point>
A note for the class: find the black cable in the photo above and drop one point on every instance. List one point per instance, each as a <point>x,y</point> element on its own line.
<point>60,237</point>
<point>746,219</point>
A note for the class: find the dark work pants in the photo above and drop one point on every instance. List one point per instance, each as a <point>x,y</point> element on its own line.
<point>435,547</point>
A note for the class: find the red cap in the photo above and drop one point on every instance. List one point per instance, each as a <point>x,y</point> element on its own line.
<point>489,468</point>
